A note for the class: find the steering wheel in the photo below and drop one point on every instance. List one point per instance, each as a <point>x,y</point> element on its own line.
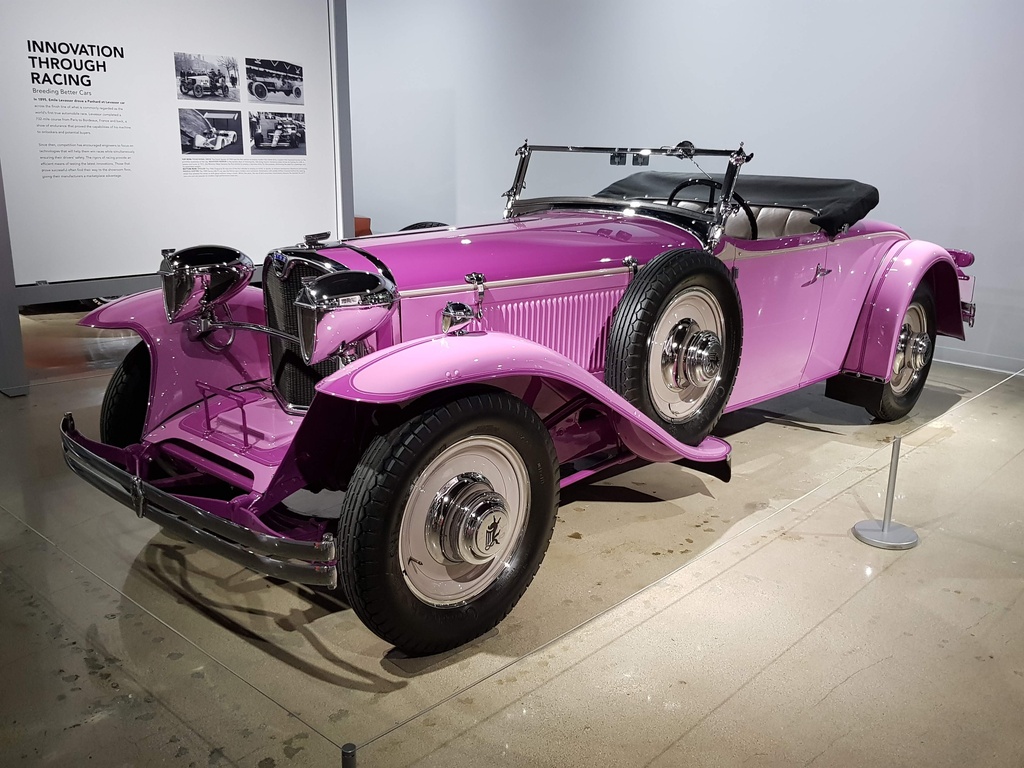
<point>713,185</point>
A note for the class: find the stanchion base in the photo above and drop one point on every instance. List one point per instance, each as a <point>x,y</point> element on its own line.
<point>897,537</point>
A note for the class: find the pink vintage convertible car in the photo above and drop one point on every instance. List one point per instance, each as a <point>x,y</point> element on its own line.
<point>394,415</point>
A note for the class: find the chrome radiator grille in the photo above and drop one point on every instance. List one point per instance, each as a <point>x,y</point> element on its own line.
<point>293,379</point>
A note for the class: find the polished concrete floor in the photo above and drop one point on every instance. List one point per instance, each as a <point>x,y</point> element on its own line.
<point>676,621</point>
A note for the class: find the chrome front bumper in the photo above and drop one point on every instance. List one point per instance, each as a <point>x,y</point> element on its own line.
<point>304,562</point>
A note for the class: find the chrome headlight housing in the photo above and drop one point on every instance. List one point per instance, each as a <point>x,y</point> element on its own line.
<point>197,278</point>
<point>339,309</point>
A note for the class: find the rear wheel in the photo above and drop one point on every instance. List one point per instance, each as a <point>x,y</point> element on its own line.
<point>259,90</point>
<point>126,401</point>
<point>913,358</point>
<point>446,521</point>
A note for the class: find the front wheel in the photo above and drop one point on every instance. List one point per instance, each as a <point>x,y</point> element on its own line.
<point>123,413</point>
<point>446,520</point>
<point>913,358</point>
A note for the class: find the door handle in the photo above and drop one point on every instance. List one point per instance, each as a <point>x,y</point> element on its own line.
<point>820,271</point>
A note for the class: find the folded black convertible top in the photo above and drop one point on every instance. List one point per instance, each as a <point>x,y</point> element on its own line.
<point>835,202</point>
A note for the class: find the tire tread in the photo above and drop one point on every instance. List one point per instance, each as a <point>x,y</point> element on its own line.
<point>391,458</point>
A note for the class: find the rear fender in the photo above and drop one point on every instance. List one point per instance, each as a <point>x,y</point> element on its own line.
<point>178,362</point>
<point>415,369</point>
<point>908,264</point>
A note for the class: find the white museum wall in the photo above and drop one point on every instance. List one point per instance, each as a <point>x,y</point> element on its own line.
<point>919,98</point>
<point>96,175</point>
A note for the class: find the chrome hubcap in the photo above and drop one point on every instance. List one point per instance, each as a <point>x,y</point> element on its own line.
<point>913,350</point>
<point>463,520</point>
<point>467,521</point>
<point>919,351</point>
<point>686,354</point>
<point>690,356</point>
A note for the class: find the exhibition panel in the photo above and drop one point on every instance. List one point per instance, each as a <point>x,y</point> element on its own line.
<point>131,127</point>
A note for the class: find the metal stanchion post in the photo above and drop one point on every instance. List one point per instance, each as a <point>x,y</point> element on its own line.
<point>887,534</point>
<point>348,756</point>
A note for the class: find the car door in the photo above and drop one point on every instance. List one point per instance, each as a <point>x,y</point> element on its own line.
<point>780,286</point>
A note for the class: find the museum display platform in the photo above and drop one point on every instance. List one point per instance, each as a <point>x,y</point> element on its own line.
<point>675,620</point>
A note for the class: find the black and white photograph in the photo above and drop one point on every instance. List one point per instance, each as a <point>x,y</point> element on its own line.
<point>209,131</point>
<point>277,133</point>
<point>207,78</point>
<point>274,81</point>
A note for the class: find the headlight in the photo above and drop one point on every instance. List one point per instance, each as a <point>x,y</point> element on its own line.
<point>195,279</point>
<point>339,309</point>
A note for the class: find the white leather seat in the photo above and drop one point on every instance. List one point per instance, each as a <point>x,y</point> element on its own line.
<point>772,222</point>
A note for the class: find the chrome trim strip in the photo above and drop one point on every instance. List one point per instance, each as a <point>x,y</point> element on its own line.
<point>679,150</point>
<point>824,242</point>
<point>273,556</point>
<point>519,281</point>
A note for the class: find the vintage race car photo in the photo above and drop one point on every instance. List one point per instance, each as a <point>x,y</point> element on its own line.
<point>200,84</point>
<point>198,133</point>
<point>394,416</point>
<point>275,131</point>
<point>263,86</point>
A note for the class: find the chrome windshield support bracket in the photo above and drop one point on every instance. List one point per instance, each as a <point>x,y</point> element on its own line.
<point>519,183</point>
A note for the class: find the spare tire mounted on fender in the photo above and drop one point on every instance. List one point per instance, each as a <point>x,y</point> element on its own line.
<point>675,340</point>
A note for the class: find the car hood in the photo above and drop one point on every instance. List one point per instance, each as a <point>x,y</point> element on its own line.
<point>554,243</point>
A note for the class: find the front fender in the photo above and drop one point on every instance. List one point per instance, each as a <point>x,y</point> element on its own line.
<point>877,332</point>
<point>179,362</point>
<point>410,370</point>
